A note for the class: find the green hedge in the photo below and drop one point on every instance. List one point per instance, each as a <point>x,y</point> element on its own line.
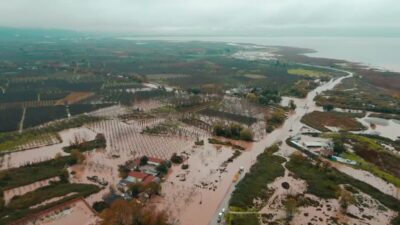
<point>324,182</point>
<point>45,193</point>
<point>254,184</point>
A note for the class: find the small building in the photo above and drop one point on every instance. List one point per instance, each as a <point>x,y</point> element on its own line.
<point>136,177</point>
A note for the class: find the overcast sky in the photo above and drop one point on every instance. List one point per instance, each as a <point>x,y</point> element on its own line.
<point>208,17</point>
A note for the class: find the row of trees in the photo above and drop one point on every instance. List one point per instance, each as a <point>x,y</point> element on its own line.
<point>122,212</point>
<point>233,131</point>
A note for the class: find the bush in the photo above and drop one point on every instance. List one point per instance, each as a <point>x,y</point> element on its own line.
<point>243,219</point>
<point>269,129</point>
<point>136,189</point>
<point>77,156</point>
<point>185,166</point>
<point>143,160</point>
<point>233,131</point>
<point>98,142</point>
<point>100,206</point>
<point>338,147</point>
<point>246,135</point>
<point>176,159</point>
<point>162,168</point>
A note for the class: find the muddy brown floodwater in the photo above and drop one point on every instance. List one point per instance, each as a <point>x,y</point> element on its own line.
<point>191,212</point>
<point>35,155</point>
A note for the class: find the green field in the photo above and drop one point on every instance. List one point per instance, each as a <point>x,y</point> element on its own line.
<point>254,184</point>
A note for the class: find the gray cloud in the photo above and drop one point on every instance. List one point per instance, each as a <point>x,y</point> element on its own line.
<point>202,16</point>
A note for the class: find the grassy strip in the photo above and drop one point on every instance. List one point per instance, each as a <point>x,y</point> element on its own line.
<point>34,172</point>
<point>9,141</point>
<point>385,116</point>
<point>324,181</point>
<point>243,219</point>
<point>48,192</point>
<point>9,215</point>
<point>98,142</point>
<point>254,184</point>
<point>227,143</point>
<point>364,165</point>
<point>308,73</point>
<point>372,156</point>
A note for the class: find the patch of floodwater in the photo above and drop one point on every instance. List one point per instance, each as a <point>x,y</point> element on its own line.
<point>55,199</point>
<point>196,198</point>
<point>10,193</point>
<point>255,55</point>
<point>274,205</point>
<point>186,198</point>
<point>382,127</point>
<point>20,158</point>
<point>347,110</point>
<point>369,178</point>
<point>156,86</point>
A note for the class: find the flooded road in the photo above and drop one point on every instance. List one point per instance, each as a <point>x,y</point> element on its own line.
<point>291,126</point>
<point>199,206</point>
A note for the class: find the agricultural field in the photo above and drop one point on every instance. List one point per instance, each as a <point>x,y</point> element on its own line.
<point>309,73</point>
<point>356,93</point>
<point>372,155</point>
<point>229,116</point>
<point>89,109</point>
<point>77,109</point>
<point>84,78</point>
<point>44,197</point>
<point>326,121</point>
<point>74,97</point>
<point>36,137</point>
<point>10,119</point>
<point>39,115</point>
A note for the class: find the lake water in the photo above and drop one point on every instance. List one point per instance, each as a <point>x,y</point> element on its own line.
<point>377,52</point>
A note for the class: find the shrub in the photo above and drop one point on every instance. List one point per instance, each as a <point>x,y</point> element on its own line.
<point>233,131</point>
<point>143,160</point>
<point>176,159</point>
<point>100,206</point>
<point>185,166</point>
<point>246,135</point>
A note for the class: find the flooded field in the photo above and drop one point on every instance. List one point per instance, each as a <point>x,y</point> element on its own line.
<point>127,140</point>
<point>73,212</point>
<point>382,127</point>
<point>9,194</point>
<point>370,179</point>
<point>195,193</point>
<point>20,158</point>
<point>199,192</point>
